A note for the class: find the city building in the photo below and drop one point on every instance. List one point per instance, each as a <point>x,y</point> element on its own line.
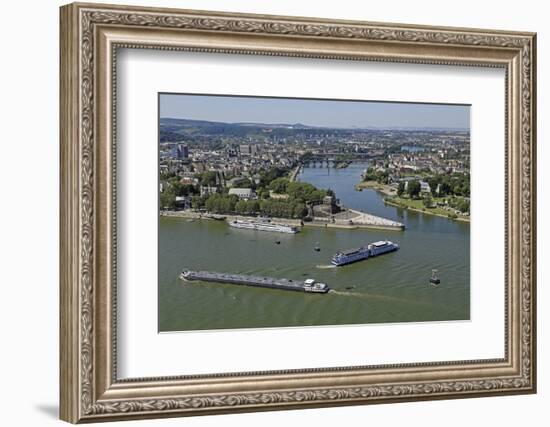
<point>183,202</point>
<point>425,187</point>
<point>182,151</point>
<point>245,150</point>
<point>243,193</point>
<point>248,149</point>
<point>207,190</point>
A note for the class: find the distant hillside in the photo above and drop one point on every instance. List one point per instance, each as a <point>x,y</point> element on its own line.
<point>204,123</point>
<point>172,129</point>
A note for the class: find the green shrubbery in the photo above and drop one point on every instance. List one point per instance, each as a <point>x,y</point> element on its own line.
<point>456,184</point>
<point>294,206</point>
<point>221,203</point>
<point>381,177</point>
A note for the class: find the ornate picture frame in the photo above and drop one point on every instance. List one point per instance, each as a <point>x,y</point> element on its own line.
<point>90,37</point>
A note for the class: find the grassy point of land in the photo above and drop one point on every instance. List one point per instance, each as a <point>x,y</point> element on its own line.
<point>386,189</point>
<point>418,206</point>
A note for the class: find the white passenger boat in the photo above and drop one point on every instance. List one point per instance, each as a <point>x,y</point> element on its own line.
<point>263,226</point>
<point>373,249</point>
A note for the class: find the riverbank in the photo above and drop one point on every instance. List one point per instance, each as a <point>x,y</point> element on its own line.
<point>413,205</point>
<point>359,219</point>
<point>354,226</point>
<point>349,219</point>
<point>189,214</point>
<point>385,189</point>
<point>295,173</point>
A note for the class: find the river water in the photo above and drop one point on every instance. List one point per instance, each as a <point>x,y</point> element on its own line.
<point>389,288</point>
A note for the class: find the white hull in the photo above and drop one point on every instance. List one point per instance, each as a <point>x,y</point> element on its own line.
<point>371,250</point>
<point>277,228</point>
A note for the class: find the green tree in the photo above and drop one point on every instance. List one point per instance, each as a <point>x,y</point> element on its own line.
<point>457,189</point>
<point>445,188</point>
<point>282,208</point>
<point>427,201</point>
<point>241,207</point>
<point>400,188</point>
<point>271,174</point>
<point>221,203</point>
<point>263,194</point>
<point>413,188</point>
<point>198,202</point>
<point>183,189</point>
<point>433,182</point>
<point>253,206</point>
<point>208,178</point>
<point>305,192</point>
<point>299,210</point>
<point>279,185</point>
<point>168,198</point>
<point>463,205</point>
<point>381,177</point>
<point>243,182</point>
<point>167,175</point>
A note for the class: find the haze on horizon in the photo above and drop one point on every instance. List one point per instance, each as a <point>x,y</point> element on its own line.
<point>314,112</point>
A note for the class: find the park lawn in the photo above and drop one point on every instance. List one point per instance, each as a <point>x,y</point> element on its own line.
<point>419,205</point>
<point>373,185</point>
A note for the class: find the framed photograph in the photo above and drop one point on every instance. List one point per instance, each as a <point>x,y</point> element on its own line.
<point>266,212</point>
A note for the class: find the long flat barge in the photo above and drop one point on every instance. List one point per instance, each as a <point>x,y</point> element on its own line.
<point>308,285</point>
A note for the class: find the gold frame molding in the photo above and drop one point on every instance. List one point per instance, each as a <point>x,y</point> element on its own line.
<point>90,37</point>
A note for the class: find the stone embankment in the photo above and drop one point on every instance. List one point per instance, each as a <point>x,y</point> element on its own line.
<point>351,218</point>
<point>348,218</point>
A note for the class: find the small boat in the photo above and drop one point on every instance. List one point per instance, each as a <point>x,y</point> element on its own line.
<point>317,248</point>
<point>277,242</point>
<point>434,280</point>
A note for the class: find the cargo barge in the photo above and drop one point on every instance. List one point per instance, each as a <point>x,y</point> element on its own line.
<point>364,252</point>
<point>308,285</point>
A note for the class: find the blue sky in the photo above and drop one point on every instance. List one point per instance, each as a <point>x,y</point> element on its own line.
<point>328,113</point>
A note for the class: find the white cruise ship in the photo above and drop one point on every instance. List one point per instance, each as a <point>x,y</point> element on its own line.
<point>364,252</point>
<point>263,226</point>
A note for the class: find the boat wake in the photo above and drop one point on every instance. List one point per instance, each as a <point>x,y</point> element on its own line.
<point>376,297</point>
<point>348,293</point>
<point>325,266</point>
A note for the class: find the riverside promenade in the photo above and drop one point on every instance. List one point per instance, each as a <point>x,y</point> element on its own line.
<point>194,215</point>
<point>352,218</point>
<point>348,219</point>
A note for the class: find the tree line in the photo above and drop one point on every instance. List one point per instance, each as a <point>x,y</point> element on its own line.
<point>441,185</point>
<point>456,184</point>
<point>294,205</point>
<point>230,204</point>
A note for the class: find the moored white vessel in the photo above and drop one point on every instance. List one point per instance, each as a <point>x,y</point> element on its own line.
<point>263,226</point>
